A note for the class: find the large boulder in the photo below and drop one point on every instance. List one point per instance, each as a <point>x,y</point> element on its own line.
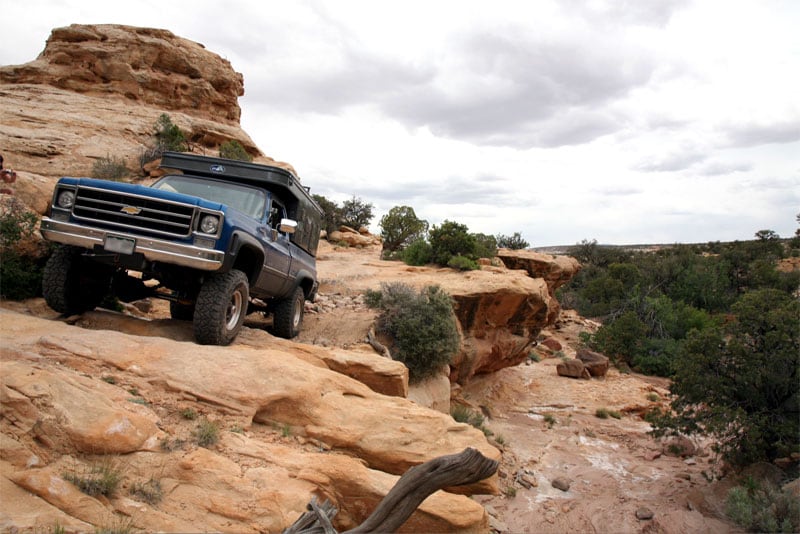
<point>572,368</point>
<point>596,363</point>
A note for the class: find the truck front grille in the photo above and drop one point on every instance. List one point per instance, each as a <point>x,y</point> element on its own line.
<point>133,212</point>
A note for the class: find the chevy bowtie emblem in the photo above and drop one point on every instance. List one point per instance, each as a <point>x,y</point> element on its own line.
<point>131,210</point>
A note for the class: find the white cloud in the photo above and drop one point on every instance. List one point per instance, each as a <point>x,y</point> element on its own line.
<point>624,121</point>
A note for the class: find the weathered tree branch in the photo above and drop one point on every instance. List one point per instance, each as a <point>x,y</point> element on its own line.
<point>467,467</point>
<point>379,347</point>
<point>316,521</point>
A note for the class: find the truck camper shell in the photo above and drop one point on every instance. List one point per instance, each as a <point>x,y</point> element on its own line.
<point>280,182</point>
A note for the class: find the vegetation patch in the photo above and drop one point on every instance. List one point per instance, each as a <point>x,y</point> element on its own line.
<point>206,433</point>
<point>462,414</point>
<point>99,478</point>
<point>605,413</point>
<point>764,508</point>
<point>421,326</point>
<point>21,275</point>
<point>149,491</point>
<point>110,168</point>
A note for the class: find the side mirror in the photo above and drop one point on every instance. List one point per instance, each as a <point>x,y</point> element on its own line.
<point>288,226</point>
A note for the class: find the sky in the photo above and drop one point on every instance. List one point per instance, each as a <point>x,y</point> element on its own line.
<point>627,121</point>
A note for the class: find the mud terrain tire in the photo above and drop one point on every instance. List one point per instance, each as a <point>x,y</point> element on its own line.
<point>221,308</point>
<point>72,286</point>
<point>287,319</point>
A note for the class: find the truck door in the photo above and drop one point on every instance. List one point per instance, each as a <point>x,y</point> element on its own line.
<point>275,275</point>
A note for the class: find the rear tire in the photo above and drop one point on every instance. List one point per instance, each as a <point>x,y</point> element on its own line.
<point>221,308</point>
<point>71,285</point>
<point>287,320</point>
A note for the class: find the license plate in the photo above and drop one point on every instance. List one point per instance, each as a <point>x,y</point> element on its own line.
<point>120,245</point>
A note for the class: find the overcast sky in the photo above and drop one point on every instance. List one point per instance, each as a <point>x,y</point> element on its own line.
<point>629,121</point>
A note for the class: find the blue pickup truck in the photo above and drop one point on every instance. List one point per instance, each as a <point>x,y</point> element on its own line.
<point>218,238</point>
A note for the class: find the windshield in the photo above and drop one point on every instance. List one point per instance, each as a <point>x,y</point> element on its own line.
<point>246,199</point>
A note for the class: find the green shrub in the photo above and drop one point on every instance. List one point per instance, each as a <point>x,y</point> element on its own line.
<point>206,433</point>
<point>233,149</point>
<point>514,242</point>
<point>763,509</point>
<point>421,326</point>
<point>331,213</point>
<point>419,252</point>
<point>738,382</point>
<point>356,213</point>
<point>21,275</point>
<point>485,246</point>
<point>550,419</point>
<point>605,413</point>
<point>399,228</point>
<point>109,168</point>
<point>168,136</point>
<point>451,239</point>
<point>463,264</point>
<point>189,413</point>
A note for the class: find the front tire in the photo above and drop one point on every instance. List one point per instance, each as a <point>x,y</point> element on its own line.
<point>71,285</point>
<point>221,308</point>
<point>287,319</point>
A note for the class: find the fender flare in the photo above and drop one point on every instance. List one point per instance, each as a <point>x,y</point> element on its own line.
<point>238,241</point>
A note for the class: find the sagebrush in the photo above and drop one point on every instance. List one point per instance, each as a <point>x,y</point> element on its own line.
<point>421,326</point>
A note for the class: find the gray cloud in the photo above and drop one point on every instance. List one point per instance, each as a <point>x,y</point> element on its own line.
<point>717,168</point>
<point>523,87</point>
<point>677,160</point>
<point>650,13</point>
<point>754,134</point>
<point>511,86</point>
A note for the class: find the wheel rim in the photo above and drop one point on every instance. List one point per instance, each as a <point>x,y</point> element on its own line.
<point>234,310</point>
<point>298,313</point>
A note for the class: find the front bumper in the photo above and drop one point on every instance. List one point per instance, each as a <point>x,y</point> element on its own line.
<point>153,249</point>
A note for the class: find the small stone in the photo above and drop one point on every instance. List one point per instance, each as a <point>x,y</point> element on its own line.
<point>644,514</point>
<point>561,483</point>
<point>690,461</point>
<point>652,455</point>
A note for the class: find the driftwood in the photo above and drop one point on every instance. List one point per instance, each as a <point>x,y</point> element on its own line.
<point>466,467</point>
<point>379,347</point>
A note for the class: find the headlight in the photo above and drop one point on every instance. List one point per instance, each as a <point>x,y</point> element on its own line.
<point>209,224</point>
<point>66,199</point>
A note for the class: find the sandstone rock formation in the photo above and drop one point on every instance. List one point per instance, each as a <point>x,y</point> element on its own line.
<point>555,270</point>
<point>97,91</point>
<point>500,312</point>
<point>143,65</point>
<point>72,397</point>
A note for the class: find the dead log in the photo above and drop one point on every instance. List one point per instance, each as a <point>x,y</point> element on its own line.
<point>379,347</point>
<point>316,521</point>
<point>467,467</point>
